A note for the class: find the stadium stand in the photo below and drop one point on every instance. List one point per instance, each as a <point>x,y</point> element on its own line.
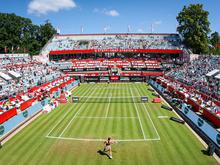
<point>202,74</point>
<point>19,74</point>
<point>27,84</point>
<point>124,55</point>
<point>208,106</point>
<point>22,101</point>
<point>113,41</point>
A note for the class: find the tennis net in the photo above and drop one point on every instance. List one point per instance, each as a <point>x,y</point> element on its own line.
<point>92,99</point>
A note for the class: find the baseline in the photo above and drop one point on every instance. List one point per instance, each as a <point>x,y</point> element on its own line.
<point>98,140</point>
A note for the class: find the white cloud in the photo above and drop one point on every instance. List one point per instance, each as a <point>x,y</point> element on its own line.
<point>42,7</point>
<point>112,13</point>
<point>157,22</point>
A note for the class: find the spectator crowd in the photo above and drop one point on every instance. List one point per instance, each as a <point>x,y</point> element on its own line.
<point>18,75</point>
<point>195,73</point>
<point>129,41</point>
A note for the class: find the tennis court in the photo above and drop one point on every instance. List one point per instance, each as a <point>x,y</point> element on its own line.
<point>107,110</point>
<point>74,132</point>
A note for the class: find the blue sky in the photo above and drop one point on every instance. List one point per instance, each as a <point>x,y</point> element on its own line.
<point>97,16</point>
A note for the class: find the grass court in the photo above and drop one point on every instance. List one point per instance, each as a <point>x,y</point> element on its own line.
<point>74,132</point>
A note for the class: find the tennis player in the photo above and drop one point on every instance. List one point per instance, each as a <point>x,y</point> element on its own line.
<point>108,147</point>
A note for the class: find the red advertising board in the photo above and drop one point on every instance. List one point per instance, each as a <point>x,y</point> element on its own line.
<point>26,104</point>
<point>114,78</point>
<point>7,115</point>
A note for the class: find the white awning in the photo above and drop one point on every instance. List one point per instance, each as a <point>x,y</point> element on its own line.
<point>217,76</point>
<point>14,74</point>
<point>213,73</point>
<point>5,76</point>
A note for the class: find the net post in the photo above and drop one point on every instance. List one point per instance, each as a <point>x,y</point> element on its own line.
<point>144,99</point>
<point>75,99</point>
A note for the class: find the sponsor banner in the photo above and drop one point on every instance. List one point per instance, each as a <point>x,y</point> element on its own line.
<point>211,132</point>
<point>103,69</point>
<point>91,69</point>
<point>2,130</point>
<point>156,85</point>
<point>122,78</point>
<point>25,114</point>
<point>92,78</point>
<point>136,78</point>
<point>13,55</point>
<point>114,78</point>
<point>104,78</point>
<point>78,69</point>
<point>170,51</point>
<point>21,117</point>
<point>203,125</point>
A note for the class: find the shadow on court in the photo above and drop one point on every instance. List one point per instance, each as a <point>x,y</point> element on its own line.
<point>100,152</point>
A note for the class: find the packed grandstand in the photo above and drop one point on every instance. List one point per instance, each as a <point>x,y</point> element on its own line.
<point>105,57</point>
<point>24,81</point>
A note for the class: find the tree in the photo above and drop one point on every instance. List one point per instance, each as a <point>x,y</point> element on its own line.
<point>215,40</point>
<point>18,34</point>
<point>46,31</point>
<point>194,28</point>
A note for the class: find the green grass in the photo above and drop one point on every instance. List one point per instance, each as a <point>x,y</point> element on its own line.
<point>61,136</point>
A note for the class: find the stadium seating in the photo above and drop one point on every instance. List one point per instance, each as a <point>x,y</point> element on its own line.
<point>194,74</point>
<point>113,41</point>
<point>208,106</point>
<point>22,101</point>
<point>20,74</point>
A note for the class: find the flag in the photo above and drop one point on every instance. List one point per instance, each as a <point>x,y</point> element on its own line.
<point>105,29</point>
<point>129,28</point>
<point>82,29</point>
<point>6,50</point>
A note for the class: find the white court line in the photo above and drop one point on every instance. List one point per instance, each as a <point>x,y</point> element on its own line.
<point>80,109</point>
<point>149,116</point>
<point>107,97</point>
<point>85,139</point>
<point>104,117</point>
<point>138,116</point>
<point>69,110</point>
<point>109,101</point>
<point>163,117</point>
<point>98,140</point>
<point>59,121</point>
<point>108,88</point>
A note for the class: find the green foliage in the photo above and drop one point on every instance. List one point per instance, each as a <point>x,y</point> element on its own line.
<point>19,35</point>
<point>214,40</point>
<point>194,27</point>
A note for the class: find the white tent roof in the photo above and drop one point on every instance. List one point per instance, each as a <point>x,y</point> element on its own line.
<point>217,76</point>
<point>5,76</point>
<point>213,73</point>
<point>15,74</point>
